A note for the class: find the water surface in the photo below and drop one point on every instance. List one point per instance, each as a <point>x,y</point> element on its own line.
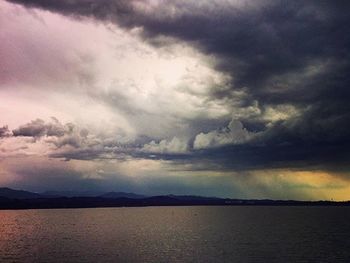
<point>177,234</point>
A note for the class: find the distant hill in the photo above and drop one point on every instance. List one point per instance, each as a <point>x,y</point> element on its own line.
<point>17,194</point>
<point>91,194</point>
<point>122,194</point>
<point>19,199</point>
<point>72,193</point>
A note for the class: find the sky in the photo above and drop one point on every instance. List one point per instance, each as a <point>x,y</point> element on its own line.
<point>227,98</point>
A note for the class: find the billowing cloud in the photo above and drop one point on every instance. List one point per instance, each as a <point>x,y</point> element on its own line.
<point>256,43</point>
<point>209,87</point>
<point>234,133</point>
<point>38,128</point>
<point>174,146</point>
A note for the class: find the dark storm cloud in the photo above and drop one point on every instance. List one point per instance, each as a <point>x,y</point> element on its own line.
<point>257,40</point>
<point>58,134</point>
<point>96,152</point>
<point>285,145</point>
<point>38,128</point>
<point>325,156</point>
<point>279,52</point>
<point>278,147</point>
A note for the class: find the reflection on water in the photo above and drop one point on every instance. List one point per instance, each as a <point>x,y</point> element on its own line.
<point>177,234</point>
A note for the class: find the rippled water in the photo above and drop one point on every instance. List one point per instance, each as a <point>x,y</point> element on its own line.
<point>177,234</point>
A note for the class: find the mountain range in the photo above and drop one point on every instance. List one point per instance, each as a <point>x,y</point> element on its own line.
<point>21,194</point>
<point>20,199</point>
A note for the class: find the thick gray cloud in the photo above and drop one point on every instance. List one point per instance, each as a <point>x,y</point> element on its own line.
<point>4,131</point>
<point>38,128</point>
<point>290,58</point>
<point>55,132</point>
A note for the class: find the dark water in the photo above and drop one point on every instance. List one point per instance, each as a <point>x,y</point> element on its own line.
<point>177,234</point>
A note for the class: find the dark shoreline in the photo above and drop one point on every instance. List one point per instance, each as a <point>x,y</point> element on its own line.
<point>97,202</point>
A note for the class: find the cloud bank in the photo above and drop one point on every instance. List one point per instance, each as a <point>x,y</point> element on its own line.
<point>210,87</point>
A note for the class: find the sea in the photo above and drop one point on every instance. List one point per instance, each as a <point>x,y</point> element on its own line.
<point>177,234</point>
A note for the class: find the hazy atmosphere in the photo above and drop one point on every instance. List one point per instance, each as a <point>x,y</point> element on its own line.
<point>227,98</point>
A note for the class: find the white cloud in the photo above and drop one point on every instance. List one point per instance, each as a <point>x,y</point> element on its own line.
<point>234,133</point>
<point>102,75</point>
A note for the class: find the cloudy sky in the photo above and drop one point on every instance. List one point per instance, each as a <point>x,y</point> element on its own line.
<point>234,98</point>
